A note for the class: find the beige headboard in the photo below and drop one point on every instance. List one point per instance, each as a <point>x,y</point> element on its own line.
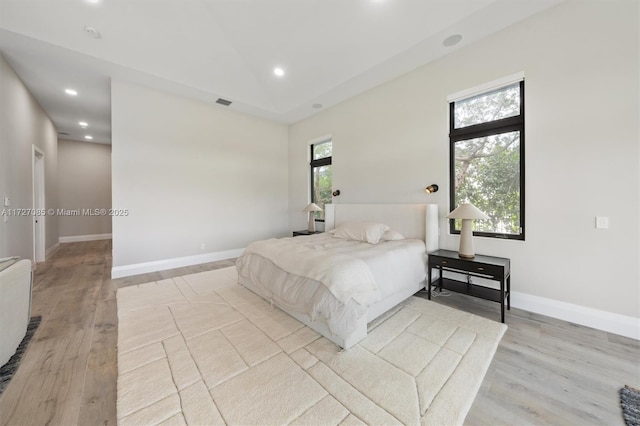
<point>412,220</point>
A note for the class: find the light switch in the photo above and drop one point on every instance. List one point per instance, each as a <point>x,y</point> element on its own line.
<point>602,222</point>
<point>7,201</point>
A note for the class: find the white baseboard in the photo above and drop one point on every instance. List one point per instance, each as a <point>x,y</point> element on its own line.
<point>78,238</point>
<point>601,320</point>
<point>54,248</point>
<point>161,265</point>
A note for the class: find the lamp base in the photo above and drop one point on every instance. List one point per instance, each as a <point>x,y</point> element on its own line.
<point>312,222</point>
<point>466,256</point>
<point>466,240</point>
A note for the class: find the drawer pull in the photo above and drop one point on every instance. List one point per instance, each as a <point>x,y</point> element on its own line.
<point>480,269</point>
<point>444,262</point>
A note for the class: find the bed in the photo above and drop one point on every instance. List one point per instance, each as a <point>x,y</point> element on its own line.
<point>369,259</point>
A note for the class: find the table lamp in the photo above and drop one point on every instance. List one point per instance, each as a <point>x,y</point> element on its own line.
<point>312,208</point>
<point>467,212</point>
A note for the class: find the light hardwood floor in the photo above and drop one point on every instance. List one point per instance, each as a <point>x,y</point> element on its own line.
<point>545,371</point>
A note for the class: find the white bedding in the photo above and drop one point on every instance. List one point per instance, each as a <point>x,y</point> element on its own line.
<point>346,277</point>
<point>331,279</point>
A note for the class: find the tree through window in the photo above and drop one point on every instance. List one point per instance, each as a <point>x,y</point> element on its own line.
<point>487,159</point>
<point>321,176</point>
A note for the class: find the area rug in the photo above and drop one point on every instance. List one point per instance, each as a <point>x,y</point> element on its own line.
<point>9,369</point>
<point>630,403</point>
<point>202,349</point>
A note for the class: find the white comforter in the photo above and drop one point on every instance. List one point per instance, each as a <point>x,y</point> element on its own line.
<point>331,278</point>
<point>346,277</point>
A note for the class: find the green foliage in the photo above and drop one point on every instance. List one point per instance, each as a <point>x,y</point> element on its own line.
<point>322,188</point>
<point>322,150</point>
<point>487,107</point>
<point>488,175</point>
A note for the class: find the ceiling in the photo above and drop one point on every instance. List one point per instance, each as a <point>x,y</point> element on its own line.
<point>329,50</point>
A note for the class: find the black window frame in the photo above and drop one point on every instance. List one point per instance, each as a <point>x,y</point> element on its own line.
<point>504,125</point>
<point>315,163</point>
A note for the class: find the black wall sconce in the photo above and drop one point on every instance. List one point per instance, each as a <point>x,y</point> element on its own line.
<point>336,193</point>
<point>431,189</point>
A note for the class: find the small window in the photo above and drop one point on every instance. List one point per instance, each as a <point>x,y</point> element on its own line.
<point>321,176</point>
<point>487,159</point>
<point>488,107</point>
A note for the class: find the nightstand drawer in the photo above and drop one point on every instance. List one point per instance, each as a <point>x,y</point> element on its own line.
<point>447,263</point>
<point>472,266</point>
<point>485,269</point>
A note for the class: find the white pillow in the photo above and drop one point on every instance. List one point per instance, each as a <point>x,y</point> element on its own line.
<point>368,232</point>
<point>391,235</point>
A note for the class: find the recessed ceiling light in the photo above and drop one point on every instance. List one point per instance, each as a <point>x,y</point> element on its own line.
<point>88,137</point>
<point>83,124</point>
<point>278,71</point>
<point>452,40</point>
<point>94,1</point>
<point>316,106</point>
<point>92,32</point>
<point>70,92</point>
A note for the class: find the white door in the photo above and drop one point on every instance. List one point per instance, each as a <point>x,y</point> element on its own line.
<point>38,205</point>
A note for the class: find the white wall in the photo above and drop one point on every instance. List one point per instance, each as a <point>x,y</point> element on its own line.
<point>84,182</point>
<point>190,174</point>
<point>23,123</point>
<point>582,140</point>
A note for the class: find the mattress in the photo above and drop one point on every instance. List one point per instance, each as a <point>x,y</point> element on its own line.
<point>290,278</point>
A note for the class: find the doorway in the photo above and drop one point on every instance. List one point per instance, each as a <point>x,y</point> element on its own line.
<point>38,205</point>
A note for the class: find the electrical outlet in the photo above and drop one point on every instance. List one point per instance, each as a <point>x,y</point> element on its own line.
<point>7,201</point>
<point>202,246</point>
<point>602,222</point>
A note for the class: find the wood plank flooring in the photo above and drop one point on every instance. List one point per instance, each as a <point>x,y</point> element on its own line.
<point>49,386</point>
<point>545,371</point>
<point>548,371</point>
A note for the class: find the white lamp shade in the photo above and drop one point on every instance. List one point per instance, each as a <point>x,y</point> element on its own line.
<point>312,207</point>
<point>467,211</point>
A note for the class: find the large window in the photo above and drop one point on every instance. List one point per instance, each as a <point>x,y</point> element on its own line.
<point>321,175</point>
<point>487,159</point>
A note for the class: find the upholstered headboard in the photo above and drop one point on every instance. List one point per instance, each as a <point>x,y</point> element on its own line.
<point>412,220</point>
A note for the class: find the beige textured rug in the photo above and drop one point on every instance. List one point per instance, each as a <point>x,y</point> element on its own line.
<point>203,350</point>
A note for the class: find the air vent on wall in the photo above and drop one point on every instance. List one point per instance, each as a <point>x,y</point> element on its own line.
<point>63,133</point>
<point>223,102</point>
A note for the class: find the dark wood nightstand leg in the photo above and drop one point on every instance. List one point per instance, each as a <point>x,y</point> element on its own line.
<point>509,292</point>
<point>502,297</point>
<point>429,282</point>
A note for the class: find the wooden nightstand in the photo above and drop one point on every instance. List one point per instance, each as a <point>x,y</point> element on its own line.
<point>304,232</point>
<point>488,267</point>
